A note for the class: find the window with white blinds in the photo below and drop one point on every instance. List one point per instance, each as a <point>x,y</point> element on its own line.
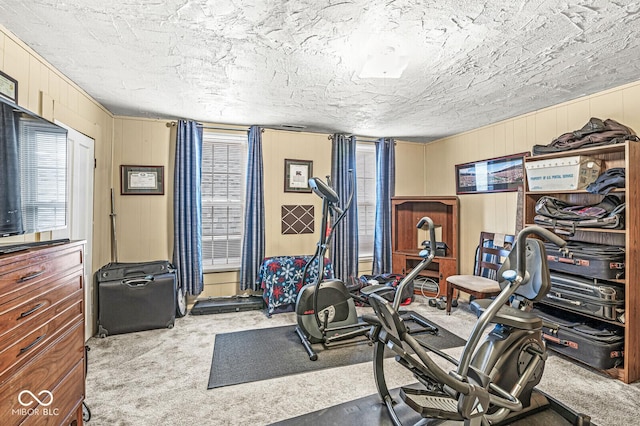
<point>366,181</point>
<point>43,159</point>
<point>224,160</point>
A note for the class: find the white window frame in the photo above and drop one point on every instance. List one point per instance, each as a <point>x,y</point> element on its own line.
<point>211,138</point>
<point>366,188</point>
<point>43,157</point>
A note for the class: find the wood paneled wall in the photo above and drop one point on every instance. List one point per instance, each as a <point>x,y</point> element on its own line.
<point>497,212</point>
<point>47,92</point>
<point>144,222</point>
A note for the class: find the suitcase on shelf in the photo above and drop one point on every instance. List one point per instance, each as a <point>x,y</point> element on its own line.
<point>590,296</point>
<point>597,344</point>
<point>567,218</point>
<point>135,297</point>
<point>588,260</point>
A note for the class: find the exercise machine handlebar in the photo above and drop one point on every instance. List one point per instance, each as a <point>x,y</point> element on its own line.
<point>458,380</point>
<point>522,253</point>
<point>502,298</point>
<point>330,201</point>
<point>331,198</point>
<point>323,190</point>
<point>427,257</point>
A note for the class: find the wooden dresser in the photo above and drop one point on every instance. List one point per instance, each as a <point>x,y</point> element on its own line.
<point>42,355</point>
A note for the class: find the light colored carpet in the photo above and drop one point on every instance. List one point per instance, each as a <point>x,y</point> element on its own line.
<point>159,377</point>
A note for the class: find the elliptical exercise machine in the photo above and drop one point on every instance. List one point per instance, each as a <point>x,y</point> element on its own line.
<point>493,380</point>
<point>326,312</point>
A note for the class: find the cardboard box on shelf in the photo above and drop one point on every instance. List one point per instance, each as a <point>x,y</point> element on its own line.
<point>562,173</point>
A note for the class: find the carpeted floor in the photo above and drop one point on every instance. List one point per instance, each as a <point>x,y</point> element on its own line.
<point>261,354</point>
<point>160,377</point>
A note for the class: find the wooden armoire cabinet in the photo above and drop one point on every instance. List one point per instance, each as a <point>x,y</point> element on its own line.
<point>407,240</point>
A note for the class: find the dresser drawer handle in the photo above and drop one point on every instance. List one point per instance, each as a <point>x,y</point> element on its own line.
<point>32,310</point>
<point>31,276</point>
<point>32,344</point>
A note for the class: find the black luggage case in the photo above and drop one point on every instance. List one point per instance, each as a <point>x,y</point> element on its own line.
<point>587,260</point>
<point>599,345</point>
<point>135,297</point>
<point>590,296</point>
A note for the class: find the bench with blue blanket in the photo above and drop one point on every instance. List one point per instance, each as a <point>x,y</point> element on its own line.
<point>280,278</point>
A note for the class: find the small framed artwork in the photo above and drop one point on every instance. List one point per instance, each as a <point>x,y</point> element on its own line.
<point>297,174</point>
<point>142,180</point>
<point>502,174</point>
<point>8,87</point>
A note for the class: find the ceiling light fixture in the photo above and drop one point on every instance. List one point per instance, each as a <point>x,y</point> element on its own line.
<point>387,62</point>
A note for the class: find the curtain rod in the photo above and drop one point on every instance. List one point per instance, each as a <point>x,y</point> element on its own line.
<point>229,129</point>
<point>361,139</point>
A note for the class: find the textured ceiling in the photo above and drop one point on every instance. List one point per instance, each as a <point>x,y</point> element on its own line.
<point>270,63</point>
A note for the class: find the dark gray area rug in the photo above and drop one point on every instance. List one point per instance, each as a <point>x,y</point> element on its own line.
<point>370,411</point>
<point>261,354</point>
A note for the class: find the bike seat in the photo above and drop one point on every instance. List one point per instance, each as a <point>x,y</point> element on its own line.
<point>509,316</point>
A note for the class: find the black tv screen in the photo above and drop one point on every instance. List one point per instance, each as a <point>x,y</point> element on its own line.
<point>33,172</point>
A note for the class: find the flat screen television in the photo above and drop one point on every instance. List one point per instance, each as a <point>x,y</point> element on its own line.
<point>33,172</point>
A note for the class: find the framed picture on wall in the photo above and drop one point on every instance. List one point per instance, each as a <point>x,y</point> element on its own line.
<point>501,174</point>
<point>297,174</point>
<point>141,180</point>
<point>8,87</point>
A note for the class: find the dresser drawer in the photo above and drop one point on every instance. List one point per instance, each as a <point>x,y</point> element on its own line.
<point>37,270</point>
<point>21,347</point>
<point>47,373</point>
<point>67,397</point>
<point>33,309</point>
